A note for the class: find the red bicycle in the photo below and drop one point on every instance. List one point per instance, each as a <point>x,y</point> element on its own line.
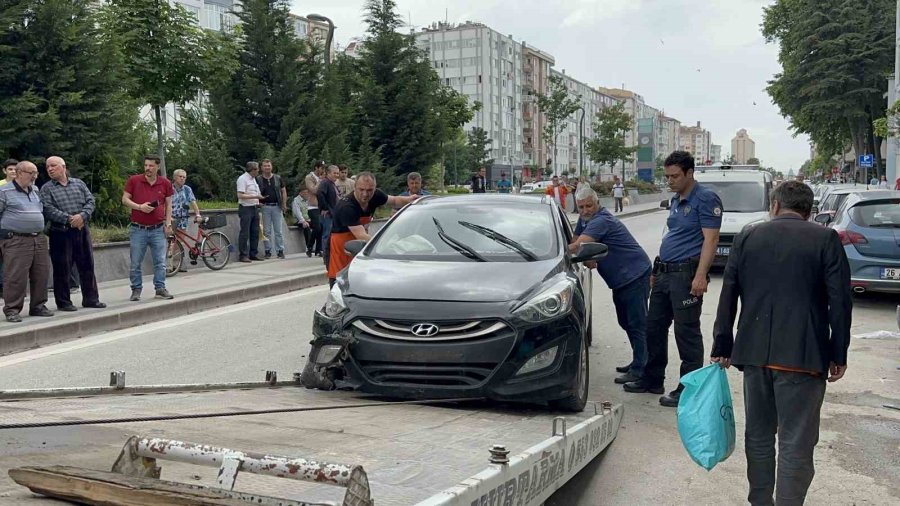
<point>214,248</point>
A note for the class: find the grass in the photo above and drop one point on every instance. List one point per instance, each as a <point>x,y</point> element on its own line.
<point>101,235</point>
<point>216,204</point>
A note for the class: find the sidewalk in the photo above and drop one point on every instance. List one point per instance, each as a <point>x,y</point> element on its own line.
<point>194,291</point>
<point>198,290</point>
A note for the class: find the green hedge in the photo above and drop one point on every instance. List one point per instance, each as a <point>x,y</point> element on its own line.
<point>604,189</point>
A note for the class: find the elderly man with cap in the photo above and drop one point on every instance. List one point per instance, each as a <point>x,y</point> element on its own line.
<point>23,245</point>
<point>68,206</point>
<point>626,271</point>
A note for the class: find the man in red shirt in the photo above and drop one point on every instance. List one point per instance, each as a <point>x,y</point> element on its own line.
<point>149,196</point>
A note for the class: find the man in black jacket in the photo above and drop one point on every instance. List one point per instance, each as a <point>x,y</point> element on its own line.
<point>327,197</point>
<point>479,181</point>
<point>793,280</point>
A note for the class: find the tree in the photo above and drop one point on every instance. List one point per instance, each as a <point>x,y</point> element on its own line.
<point>557,106</point>
<point>167,57</point>
<point>835,55</point>
<point>753,161</point>
<point>257,104</point>
<point>61,93</point>
<point>608,145</point>
<point>479,145</point>
<point>202,151</point>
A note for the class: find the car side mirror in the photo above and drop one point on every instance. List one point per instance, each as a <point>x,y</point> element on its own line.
<point>665,204</point>
<point>823,219</point>
<point>355,246</point>
<point>588,251</point>
<point>815,209</point>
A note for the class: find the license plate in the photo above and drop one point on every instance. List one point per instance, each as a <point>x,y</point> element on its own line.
<point>890,273</point>
<point>723,251</point>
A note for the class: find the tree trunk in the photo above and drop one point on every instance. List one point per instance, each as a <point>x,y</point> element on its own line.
<point>160,145</point>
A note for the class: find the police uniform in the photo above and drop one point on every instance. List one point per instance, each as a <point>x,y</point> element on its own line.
<point>670,298</point>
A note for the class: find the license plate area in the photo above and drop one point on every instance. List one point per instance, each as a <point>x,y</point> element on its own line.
<point>890,273</point>
<point>723,251</point>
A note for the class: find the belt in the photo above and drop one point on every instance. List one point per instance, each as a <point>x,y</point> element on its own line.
<point>675,266</point>
<point>22,234</point>
<point>271,204</point>
<point>146,227</point>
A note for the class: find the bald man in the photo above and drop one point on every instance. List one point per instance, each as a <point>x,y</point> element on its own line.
<point>68,206</point>
<point>23,244</point>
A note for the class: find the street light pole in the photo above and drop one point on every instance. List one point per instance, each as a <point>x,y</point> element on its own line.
<point>319,17</point>
<point>581,144</point>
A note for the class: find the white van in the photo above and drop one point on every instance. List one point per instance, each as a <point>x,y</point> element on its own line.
<point>745,200</point>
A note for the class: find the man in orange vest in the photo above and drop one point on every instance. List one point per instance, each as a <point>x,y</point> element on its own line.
<point>558,192</point>
<point>352,214</point>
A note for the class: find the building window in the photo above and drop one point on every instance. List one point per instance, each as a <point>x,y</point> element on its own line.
<point>479,78</point>
<point>193,10</point>
<point>215,15</point>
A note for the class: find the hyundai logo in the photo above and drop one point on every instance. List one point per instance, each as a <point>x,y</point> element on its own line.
<point>424,329</point>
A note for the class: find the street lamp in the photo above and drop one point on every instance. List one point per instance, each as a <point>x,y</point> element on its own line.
<point>319,17</point>
<point>581,144</point>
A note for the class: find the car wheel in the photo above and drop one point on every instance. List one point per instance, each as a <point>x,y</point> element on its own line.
<point>578,399</point>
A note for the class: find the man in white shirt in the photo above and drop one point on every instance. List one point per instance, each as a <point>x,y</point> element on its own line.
<point>248,200</point>
<point>618,193</point>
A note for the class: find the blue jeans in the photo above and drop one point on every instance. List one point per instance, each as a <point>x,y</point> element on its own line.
<point>156,240</point>
<point>273,219</point>
<point>631,311</point>
<point>327,222</point>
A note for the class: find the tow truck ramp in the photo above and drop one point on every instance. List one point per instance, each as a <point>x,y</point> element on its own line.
<point>512,477</point>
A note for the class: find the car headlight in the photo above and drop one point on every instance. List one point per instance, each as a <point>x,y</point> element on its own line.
<point>334,305</point>
<point>540,361</point>
<point>550,303</point>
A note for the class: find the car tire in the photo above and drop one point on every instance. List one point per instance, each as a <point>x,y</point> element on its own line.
<point>575,403</point>
<point>589,335</point>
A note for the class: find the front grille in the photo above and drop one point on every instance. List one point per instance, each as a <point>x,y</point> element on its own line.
<point>430,374</point>
<point>430,331</point>
<point>726,239</point>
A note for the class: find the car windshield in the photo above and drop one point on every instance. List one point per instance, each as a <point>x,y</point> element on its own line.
<point>495,233</point>
<point>833,201</point>
<point>878,214</point>
<point>739,196</point>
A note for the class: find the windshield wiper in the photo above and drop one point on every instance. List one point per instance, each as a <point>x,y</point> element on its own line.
<point>462,248</point>
<point>502,239</point>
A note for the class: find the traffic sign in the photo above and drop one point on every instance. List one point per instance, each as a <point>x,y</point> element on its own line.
<point>867,161</point>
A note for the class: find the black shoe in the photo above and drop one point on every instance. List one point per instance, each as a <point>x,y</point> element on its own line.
<point>135,295</point>
<point>670,400</point>
<point>281,255</point>
<point>256,259</point>
<point>162,293</point>
<point>318,253</point>
<point>309,253</point>
<point>95,305</point>
<point>627,378</point>
<point>40,311</point>
<point>67,308</point>
<point>268,253</point>
<point>246,260</point>
<point>13,318</point>
<point>623,368</point>
<point>638,387</point>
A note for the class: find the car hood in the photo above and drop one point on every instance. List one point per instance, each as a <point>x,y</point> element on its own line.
<point>733,223</point>
<point>376,278</point>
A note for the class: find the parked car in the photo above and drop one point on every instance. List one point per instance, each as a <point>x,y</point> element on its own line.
<point>462,296</point>
<point>868,224</point>
<point>833,201</point>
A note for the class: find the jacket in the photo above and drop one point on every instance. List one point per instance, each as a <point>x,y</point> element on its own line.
<point>563,191</point>
<point>793,280</point>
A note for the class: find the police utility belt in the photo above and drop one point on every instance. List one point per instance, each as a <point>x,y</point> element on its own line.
<point>688,265</point>
<point>9,234</point>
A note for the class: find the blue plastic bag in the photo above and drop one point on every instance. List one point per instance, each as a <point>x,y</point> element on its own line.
<point>706,416</point>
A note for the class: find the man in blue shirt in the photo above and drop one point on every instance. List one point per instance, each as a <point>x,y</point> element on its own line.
<point>680,277</point>
<point>504,185</point>
<point>413,187</point>
<point>626,271</point>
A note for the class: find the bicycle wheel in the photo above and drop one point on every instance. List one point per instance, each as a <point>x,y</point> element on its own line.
<point>174,257</point>
<point>215,250</point>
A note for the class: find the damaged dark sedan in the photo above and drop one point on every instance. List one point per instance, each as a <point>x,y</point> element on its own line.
<point>462,297</point>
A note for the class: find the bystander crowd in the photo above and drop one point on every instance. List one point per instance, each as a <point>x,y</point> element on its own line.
<point>248,211</point>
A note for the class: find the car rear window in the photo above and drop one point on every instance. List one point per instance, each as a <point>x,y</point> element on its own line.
<point>877,214</point>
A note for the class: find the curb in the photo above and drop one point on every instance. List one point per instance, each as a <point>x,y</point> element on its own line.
<point>67,330</point>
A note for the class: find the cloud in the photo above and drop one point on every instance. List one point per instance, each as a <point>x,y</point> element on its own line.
<point>592,12</point>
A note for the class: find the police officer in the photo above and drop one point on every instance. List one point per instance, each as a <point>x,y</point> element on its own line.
<point>680,277</point>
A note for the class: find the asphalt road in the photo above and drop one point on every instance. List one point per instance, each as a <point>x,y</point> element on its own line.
<point>858,459</point>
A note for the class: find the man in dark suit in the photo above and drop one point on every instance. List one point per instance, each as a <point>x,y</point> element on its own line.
<point>793,280</point>
<point>479,181</point>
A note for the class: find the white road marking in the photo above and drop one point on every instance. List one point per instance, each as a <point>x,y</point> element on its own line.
<point>109,337</point>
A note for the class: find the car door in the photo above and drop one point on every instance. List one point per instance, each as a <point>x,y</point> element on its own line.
<point>581,272</point>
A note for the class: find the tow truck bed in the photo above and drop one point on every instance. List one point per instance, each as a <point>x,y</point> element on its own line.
<point>411,452</point>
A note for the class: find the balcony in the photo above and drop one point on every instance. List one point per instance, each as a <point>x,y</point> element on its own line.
<point>528,147</point>
<point>527,115</point>
<point>528,68</point>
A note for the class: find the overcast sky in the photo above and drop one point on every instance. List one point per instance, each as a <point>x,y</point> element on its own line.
<point>695,59</point>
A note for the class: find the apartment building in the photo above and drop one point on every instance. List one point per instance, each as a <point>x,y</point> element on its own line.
<point>742,147</point>
<point>568,157</point>
<point>485,66</point>
<point>715,153</point>
<point>536,70</point>
<point>697,141</point>
<point>643,134</point>
<point>667,135</point>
